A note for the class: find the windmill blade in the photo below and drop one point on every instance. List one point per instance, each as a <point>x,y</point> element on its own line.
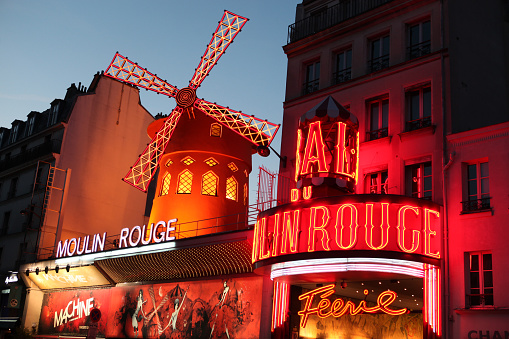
<point>229,26</point>
<point>125,70</point>
<point>145,167</point>
<point>259,132</point>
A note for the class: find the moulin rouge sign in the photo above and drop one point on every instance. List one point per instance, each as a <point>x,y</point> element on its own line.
<point>356,222</point>
<point>129,237</point>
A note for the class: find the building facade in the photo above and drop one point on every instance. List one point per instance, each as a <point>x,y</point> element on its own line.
<point>59,176</point>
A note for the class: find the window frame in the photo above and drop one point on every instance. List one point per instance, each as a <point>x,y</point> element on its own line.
<point>216,183</point>
<point>380,186</point>
<point>486,300</point>
<point>236,188</point>
<point>165,184</point>
<point>381,60</point>
<point>424,118</point>
<point>342,70</point>
<point>411,183</point>
<point>381,131</point>
<point>311,80</point>
<point>422,47</point>
<point>179,182</point>
<point>480,201</point>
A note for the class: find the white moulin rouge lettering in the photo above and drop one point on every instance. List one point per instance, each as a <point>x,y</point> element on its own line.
<point>75,309</point>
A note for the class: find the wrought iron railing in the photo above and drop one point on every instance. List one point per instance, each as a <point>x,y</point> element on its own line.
<point>418,123</point>
<point>341,76</point>
<point>33,153</point>
<point>310,86</point>
<point>377,64</point>
<point>418,50</point>
<point>377,134</point>
<point>476,205</point>
<point>344,10</point>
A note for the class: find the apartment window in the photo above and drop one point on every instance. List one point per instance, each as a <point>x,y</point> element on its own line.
<point>1,138</point>
<point>12,188</point>
<point>377,183</point>
<point>165,186</point>
<point>343,67</point>
<point>480,278</point>
<point>185,181</point>
<point>5,222</point>
<point>231,188</point>
<point>419,181</point>
<point>418,105</point>
<point>31,123</point>
<point>209,184</point>
<point>419,39</point>
<point>478,187</point>
<point>378,111</point>
<point>379,53</point>
<point>215,130</point>
<point>312,81</point>
<point>14,133</point>
<point>53,115</point>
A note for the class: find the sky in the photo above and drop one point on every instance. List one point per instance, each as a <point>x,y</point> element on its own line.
<point>47,45</point>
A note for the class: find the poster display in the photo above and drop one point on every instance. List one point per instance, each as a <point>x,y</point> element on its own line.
<point>215,308</point>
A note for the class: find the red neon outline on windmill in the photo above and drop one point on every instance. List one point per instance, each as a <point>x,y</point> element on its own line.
<point>259,132</point>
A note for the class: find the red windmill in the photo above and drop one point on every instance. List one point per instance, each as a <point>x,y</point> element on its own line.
<point>258,132</point>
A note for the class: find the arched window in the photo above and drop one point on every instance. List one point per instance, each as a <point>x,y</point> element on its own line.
<point>231,188</point>
<point>209,184</point>
<point>165,185</point>
<point>184,182</point>
<point>215,130</point>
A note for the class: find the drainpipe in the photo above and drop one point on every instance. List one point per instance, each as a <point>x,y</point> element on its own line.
<point>447,297</point>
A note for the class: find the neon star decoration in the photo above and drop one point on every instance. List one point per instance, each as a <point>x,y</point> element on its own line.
<point>258,132</point>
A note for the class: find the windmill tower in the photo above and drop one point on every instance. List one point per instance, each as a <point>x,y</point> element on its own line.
<point>203,171</point>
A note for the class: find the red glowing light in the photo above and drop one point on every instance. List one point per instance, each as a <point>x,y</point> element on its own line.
<point>256,131</point>
<point>339,307</point>
<point>315,151</point>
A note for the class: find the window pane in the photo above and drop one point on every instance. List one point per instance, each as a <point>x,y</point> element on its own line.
<point>374,116</point>
<point>488,279</point>
<point>427,184</point>
<point>426,31</point>
<point>385,113</point>
<point>375,49</point>
<point>484,170</point>
<point>340,65</point>
<point>472,188</point>
<point>474,262</point>
<point>485,186</point>
<point>472,172</point>
<point>486,262</point>
<point>414,105</point>
<point>385,45</point>
<point>309,73</point>
<point>317,71</point>
<point>426,102</point>
<point>474,280</point>
<point>348,59</point>
<point>427,169</point>
<point>488,299</point>
<point>414,35</point>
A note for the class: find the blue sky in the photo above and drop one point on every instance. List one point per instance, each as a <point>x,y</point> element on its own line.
<point>47,45</point>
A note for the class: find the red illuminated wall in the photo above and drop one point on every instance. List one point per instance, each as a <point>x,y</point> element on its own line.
<point>204,309</point>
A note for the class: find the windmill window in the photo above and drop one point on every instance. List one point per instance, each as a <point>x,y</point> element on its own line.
<point>231,188</point>
<point>165,186</point>
<point>187,161</point>
<point>169,162</point>
<point>215,130</point>
<point>211,162</point>
<point>245,194</point>
<point>233,167</point>
<point>209,184</point>
<point>185,181</point>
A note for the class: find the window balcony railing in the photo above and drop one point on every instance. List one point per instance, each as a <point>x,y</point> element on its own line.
<point>418,50</point>
<point>378,64</point>
<point>33,153</point>
<point>377,134</point>
<point>310,86</point>
<point>344,10</point>
<point>476,205</point>
<point>341,76</point>
<point>418,123</point>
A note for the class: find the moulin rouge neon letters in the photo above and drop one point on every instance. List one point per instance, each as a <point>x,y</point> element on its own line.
<point>348,226</point>
<point>325,308</point>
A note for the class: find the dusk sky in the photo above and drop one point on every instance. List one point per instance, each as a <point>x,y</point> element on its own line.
<point>47,45</point>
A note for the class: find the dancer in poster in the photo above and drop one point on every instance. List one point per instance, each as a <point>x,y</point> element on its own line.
<point>139,309</point>
<point>175,314</point>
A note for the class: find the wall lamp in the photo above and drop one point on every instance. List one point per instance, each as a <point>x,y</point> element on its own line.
<point>264,151</point>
